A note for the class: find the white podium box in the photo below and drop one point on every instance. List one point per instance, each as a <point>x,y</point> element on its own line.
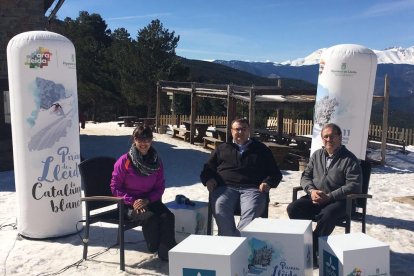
<point>279,247</point>
<point>189,219</point>
<point>209,256</point>
<point>353,254</point>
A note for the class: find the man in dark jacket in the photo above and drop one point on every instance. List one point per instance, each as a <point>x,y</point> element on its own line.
<point>240,171</point>
<point>332,173</point>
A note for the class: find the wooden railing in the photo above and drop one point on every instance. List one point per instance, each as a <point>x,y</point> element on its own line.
<point>394,133</point>
<point>298,127</point>
<point>290,126</point>
<point>177,119</point>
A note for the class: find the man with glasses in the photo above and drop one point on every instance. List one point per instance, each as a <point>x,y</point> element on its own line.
<point>332,173</point>
<point>240,172</point>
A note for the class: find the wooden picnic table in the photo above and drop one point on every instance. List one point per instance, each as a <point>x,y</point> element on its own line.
<point>220,133</point>
<point>303,142</point>
<point>279,151</point>
<point>200,127</point>
<point>128,120</point>
<point>146,122</point>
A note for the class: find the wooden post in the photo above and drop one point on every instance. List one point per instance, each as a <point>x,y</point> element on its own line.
<point>158,107</point>
<point>385,119</point>
<point>193,112</point>
<point>231,111</point>
<point>252,110</point>
<point>279,125</point>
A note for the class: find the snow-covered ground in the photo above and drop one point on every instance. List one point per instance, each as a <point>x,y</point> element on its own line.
<point>388,220</point>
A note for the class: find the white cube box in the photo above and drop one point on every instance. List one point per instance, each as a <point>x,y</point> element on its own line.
<point>353,254</point>
<point>209,256</point>
<point>189,219</point>
<point>279,247</point>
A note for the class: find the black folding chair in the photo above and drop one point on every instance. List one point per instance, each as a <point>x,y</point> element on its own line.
<point>356,204</point>
<point>96,176</point>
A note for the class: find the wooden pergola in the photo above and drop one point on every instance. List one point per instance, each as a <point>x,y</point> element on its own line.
<point>257,97</point>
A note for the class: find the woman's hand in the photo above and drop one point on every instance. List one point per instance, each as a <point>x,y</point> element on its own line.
<point>140,205</point>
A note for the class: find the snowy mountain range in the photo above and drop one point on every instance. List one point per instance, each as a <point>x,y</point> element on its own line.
<point>392,55</point>
<point>396,62</point>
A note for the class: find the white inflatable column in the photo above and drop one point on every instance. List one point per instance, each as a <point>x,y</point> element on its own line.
<point>344,95</point>
<point>45,129</point>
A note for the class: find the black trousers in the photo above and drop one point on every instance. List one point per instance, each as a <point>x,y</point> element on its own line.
<point>325,216</point>
<point>158,227</point>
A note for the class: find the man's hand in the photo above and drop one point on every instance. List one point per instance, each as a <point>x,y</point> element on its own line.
<point>319,197</point>
<point>264,188</point>
<point>211,184</point>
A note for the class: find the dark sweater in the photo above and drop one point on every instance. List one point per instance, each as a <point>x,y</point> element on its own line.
<point>255,166</point>
<point>343,177</point>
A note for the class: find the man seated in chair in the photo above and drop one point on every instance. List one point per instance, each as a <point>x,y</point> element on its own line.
<point>240,171</point>
<point>332,173</point>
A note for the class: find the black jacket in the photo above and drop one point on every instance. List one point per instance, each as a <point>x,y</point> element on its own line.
<point>255,166</point>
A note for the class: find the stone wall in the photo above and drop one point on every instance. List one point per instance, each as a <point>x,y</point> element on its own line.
<point>16,16</point>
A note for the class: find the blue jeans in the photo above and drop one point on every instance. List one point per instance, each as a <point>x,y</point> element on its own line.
<point>225,200</point>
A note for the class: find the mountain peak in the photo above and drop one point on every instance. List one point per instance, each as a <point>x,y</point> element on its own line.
<point>393,55</point>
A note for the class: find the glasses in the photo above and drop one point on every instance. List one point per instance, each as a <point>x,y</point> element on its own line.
<point>331,137</point>
<point>143,140</point>
<point>239,129</point>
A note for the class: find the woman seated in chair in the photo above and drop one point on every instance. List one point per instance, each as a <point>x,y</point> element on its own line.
<point>138,178</point>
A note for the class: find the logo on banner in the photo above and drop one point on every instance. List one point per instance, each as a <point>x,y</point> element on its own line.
<point>70,64</point>
<point>39,58</point>
<point>198,272</point>
<point>330,264</point>
<point>344,71</point>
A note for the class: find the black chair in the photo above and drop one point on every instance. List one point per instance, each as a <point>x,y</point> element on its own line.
<point>265,213</point>
<point>356,204</point>
<point>96,176</point>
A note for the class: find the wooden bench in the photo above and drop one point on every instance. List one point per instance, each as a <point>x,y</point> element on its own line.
<point>211,142</point>
<point>399,143</point>
<point>120,124</point>
<point>181,133</point>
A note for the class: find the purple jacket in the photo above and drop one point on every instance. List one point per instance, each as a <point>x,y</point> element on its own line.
<point>129,185</point>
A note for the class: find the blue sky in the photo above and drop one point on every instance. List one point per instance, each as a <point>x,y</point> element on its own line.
<point>261,30</point>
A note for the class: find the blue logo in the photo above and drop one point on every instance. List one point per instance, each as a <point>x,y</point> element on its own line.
<point>330,264</point>
<point>198,272</point>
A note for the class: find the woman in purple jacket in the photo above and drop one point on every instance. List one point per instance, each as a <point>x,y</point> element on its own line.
<point>138,178</point>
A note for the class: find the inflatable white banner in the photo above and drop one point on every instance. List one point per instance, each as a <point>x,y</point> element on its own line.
<point>344,95</point>
<point>45,128</point>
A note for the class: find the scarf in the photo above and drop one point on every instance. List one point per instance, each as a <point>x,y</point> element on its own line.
<point>144,164</point>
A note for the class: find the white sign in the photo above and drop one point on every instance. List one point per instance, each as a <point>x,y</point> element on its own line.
<point>45,128</point>
<point>344,95</point>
